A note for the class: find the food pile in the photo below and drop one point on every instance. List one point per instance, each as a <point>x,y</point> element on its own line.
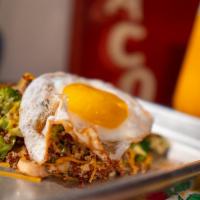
<point>62,125</point>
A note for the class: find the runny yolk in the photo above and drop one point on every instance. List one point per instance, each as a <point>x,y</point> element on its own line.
<point>95,106</point>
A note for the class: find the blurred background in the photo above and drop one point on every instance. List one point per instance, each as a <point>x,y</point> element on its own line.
<point>140,46</point>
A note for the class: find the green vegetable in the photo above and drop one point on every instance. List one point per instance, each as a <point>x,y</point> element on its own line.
<point>9,118</point>
<point>141,154</point>
<point>4,122</point>
<point>140,158</point>
<point>141,149</point>
<point>145,144</point>
<point>8,97</point>
<point>5,147</point>
<point>133,145</point>
<point>9,111</point>
<point>158,144</point>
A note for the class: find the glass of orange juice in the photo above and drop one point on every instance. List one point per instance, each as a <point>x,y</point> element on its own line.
<point>187,92</point>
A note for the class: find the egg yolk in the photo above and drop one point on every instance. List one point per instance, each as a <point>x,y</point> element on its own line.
<point>96,106</point>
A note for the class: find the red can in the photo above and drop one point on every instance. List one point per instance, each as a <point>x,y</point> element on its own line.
<point>135,44</point>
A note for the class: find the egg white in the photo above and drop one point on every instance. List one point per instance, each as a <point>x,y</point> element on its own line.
<point>43,103</point>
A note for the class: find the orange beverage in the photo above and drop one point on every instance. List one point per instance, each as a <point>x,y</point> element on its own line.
<point>187,93</point>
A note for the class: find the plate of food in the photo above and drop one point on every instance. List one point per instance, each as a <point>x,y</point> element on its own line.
<point>68,137</point>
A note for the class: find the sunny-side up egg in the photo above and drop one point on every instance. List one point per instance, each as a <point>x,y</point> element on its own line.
<point>95,113</point>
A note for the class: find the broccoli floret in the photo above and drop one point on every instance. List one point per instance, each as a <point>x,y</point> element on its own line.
<point>8,97</point>
<point>145,144</point>
<point>5,147</point>
<point>158,144</point>
<point>9,117</point>
<point>9,111</point>
<point>141,148</point>
<point>153,143</point>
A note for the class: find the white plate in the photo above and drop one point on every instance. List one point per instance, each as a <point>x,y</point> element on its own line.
<point>183,132</point>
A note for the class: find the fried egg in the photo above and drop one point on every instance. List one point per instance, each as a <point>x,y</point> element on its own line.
<point>93,112</point>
